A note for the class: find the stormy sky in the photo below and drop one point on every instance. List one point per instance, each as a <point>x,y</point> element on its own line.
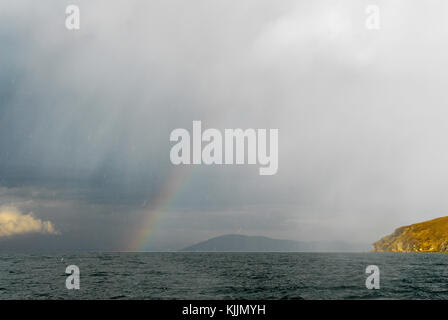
<point>85,120</point>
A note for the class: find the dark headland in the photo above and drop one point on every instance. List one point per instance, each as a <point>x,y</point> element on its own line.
<point>243,243</point>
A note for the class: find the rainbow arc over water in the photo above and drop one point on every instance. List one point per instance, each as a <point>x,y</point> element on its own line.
<point>158,206</point>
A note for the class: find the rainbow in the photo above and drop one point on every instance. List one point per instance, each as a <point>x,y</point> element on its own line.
<point>158,207</point>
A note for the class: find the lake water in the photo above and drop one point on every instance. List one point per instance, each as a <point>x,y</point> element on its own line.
<point>224,276</point>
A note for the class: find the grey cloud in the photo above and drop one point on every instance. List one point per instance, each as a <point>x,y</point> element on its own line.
<point>85,117</point>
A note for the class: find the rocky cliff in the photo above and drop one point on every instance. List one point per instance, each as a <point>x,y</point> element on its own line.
<point>428,236</point>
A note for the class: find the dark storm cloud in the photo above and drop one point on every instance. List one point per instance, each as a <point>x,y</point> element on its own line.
<point>85,116</point>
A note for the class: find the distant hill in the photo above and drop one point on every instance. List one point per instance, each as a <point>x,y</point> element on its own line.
<point>242,243</point>
<point>428,236</point>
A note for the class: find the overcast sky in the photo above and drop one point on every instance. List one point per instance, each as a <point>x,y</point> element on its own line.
<point>85,119</point>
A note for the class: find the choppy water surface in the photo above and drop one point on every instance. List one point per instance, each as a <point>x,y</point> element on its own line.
<point>224,276</point>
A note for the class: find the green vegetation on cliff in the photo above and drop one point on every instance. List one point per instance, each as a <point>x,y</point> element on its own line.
<point>428,236</point>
